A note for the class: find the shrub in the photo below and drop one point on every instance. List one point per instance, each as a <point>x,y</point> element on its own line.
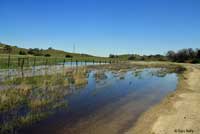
<point>113,56</point>
<point>47,55</point>
<point>132,57</point>
<point>22,52</point>
<point>68,56</point>
<point>35,52</point>
<point>196,61</point>
<point>184,55</point>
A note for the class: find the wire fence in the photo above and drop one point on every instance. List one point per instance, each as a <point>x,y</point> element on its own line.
<point>31,66</point>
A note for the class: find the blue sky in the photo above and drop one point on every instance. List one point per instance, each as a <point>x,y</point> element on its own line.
<point>101,27</point>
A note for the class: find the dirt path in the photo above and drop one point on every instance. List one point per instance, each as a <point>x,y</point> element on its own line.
<point>179,113</point>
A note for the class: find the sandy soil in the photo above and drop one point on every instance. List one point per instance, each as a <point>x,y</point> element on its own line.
<point>179,113</point>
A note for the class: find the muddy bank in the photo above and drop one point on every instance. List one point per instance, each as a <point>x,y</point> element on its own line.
<point>177,113</point>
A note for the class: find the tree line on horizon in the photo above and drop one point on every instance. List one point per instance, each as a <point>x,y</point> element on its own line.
<point>184,55</point>
<point>188,55</point>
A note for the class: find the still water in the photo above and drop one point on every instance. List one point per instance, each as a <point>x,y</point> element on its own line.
<point>110,103</point>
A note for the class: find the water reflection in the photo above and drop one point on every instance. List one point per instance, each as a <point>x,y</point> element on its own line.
<point>78,94</point>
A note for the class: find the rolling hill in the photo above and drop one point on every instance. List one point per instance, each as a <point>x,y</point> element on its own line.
<point>14,50</point>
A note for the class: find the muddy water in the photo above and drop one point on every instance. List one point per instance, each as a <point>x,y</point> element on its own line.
<point>110,103</point>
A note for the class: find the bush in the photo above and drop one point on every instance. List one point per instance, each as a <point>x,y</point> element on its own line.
<point>68,56</point>
<point>7,48</point>
<point>47,55</point>
<point>113,56</point>
<point>195,61</point>
<point>142,58</point>
<point>184,55</point>
<point>38,54</point>
<point>22,52</point>
<point>132,57</point>
<point>35,52</point>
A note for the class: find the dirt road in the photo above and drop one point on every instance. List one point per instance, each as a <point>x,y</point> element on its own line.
<point>179,113</point>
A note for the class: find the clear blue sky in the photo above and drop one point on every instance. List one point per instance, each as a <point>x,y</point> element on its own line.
<point>101,27</point>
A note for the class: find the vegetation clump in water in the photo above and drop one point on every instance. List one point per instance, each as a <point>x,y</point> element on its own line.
<point>31,99</point>
<point>80,77</point>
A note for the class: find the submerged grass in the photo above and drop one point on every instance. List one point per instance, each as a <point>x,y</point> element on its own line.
<point>80,77</point>
<point>30,99</point>
<point>125,66</point>
<point>20,107</point>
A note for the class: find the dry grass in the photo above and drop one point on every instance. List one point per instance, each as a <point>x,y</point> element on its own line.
<point>42,94</point>
<point>80,77</point>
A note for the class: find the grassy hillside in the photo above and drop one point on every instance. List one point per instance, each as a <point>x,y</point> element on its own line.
<point>13,57</point>
<point>14,50</point>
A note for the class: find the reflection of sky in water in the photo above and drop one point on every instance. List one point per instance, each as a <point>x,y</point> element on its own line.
<point>95,95</point>
<point>146,85</point>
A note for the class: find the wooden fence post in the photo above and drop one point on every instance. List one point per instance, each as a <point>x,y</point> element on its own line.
<point>46,62</point>
<point>18,62</point>
<point>55,61</point>
<point>27,61</point>
<point>76,63</point>
<point>71,62</point>
<point>22,67</point>
<point>63,62</point>
<point>9,61</point>
<point>34,60</point>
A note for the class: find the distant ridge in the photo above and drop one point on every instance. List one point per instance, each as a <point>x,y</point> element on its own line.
<point>15,50</point>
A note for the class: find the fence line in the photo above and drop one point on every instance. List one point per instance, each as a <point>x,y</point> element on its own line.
<point>33,64</point>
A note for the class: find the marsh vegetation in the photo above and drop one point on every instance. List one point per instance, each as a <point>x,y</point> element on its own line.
<point>27,100</point>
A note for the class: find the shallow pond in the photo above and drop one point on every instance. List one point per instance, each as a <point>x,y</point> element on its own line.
<point>73,64</point>
<point>43,69</point>
<point>110,103</point>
